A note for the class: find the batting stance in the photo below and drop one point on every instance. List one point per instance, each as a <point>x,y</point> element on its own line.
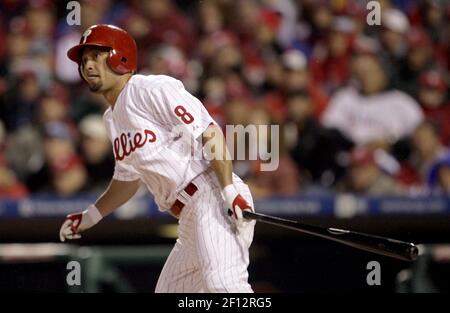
<point>211,252</point>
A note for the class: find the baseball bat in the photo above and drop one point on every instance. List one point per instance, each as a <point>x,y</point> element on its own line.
<point>381,245</point>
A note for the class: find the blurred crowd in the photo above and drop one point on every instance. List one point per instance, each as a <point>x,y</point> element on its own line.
<point>361,108</point>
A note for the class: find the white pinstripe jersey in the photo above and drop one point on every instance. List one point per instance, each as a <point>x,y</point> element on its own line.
<point>140,128</point>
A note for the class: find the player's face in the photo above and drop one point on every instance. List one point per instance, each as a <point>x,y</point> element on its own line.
<point>95,70</point>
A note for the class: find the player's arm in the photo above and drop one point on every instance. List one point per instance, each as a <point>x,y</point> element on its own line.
<point>216,151</point>
<point>117,193</point>
<point>178,107</point>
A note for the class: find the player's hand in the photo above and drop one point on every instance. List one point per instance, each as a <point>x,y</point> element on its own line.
<point>75,223</point>
<point>236,203</point>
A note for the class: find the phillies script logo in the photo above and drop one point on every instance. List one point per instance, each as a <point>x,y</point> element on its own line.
<point>124,145</point>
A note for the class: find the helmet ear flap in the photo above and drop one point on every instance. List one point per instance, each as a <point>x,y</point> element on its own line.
<point>117,62</point>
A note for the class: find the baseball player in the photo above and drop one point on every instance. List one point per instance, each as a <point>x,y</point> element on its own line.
<point>211,252</point>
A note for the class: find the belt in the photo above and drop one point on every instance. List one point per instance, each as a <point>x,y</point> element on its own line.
<point>178,206</point>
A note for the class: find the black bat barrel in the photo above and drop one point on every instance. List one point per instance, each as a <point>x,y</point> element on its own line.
<point>381,245</point>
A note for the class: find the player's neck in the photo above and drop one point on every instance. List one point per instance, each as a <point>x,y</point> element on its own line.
<point>113,93</point>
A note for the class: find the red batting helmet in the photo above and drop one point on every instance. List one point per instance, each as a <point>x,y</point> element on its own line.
<point>123,51</point>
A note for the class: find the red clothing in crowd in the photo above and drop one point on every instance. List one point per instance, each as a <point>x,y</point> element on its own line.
<point>330,71</point>
<point>441,116</point>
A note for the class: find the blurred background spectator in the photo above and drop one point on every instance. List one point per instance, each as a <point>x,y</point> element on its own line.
<point>369,112</point>
<point>10,186</point>
<point>428,148</point>
<point>339,89</point>
<point>67,172</point>
<point>365,176</point>
<point>439,176</point>
<point>96,153</point>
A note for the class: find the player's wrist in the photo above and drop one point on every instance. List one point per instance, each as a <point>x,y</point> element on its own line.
<point>93,214</point>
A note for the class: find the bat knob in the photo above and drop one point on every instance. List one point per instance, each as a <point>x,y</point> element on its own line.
<point>413,252</point>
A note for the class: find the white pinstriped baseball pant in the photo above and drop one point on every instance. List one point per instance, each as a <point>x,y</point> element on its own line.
<point>211,254</point>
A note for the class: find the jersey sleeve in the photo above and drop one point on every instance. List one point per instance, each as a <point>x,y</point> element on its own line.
<point>174,106</point>
<point>123,172</point>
